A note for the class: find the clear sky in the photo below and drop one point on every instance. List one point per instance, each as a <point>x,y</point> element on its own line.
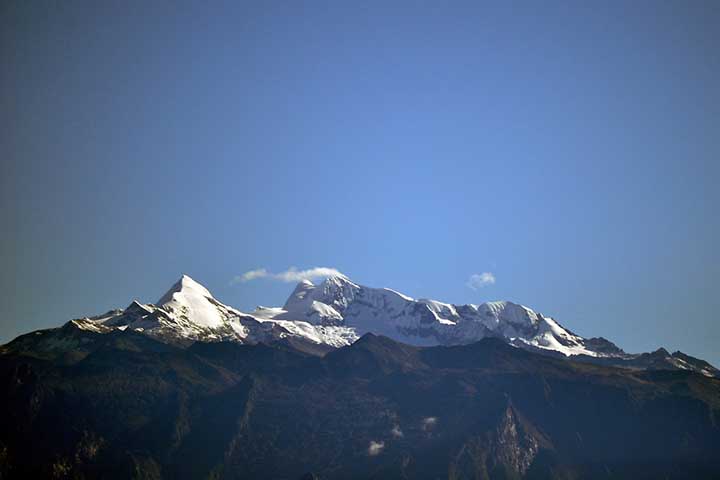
<point>571,150</point>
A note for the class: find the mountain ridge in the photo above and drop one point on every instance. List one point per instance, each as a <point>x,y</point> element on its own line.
<point>338,311</point>
<point>136,407</point>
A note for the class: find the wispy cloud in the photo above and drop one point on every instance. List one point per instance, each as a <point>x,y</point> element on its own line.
<point>375,448</point>
<point>291,275</point>
<point>251,275</point>
<point>480,280</point>
<point>428,423</point>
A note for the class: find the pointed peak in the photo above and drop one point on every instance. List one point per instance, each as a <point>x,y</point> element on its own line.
<point>184,284</point>
<point>137,307</point>
<point>299,293</point>
<point>187,282</point>
<point>371,339</point>
<point>303,285</point>
<point>194,302</point>
<point>338,281</point>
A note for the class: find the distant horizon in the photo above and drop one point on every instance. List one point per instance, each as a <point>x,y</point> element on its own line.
<point>559,155</point>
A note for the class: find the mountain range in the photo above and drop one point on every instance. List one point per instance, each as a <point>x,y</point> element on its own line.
<point>347,382</point>
<point>335,313</point>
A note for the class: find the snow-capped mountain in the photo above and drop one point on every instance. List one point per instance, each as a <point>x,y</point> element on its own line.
<point>188,312</point>
<point>340,302</point>
<point>338,311</point>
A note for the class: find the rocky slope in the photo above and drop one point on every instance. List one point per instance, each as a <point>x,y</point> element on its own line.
<point>121,404</point>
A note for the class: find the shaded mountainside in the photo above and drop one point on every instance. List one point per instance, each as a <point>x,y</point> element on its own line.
<point>122,405</point>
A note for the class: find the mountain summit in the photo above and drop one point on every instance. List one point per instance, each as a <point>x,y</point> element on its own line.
<point>339,301</point>
<point>337,311</point>
<point>194,301</point>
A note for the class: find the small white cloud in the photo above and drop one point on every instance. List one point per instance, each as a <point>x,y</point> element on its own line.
<point>480,280</point>
<point>429,422</point>
<point>396,432</point>
<point>294,275</point>
<point>375,448</point>
<point>291,275</point>
<point>252,275</point>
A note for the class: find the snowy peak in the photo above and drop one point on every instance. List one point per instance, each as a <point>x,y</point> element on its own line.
<point>337,311</point>
<point>137,309</point>
<point>321,304</point>
<point>337,291</point>
<point>338,281</point>
<point>511,313</point>
<point>193,301</point>
<point>341,302</point>
<point>188,312</point>
<point>300,295</point>
<point>185,286</point>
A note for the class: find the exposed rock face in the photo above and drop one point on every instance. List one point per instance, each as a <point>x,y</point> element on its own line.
<point>513,446</point>
<point>506,451</point>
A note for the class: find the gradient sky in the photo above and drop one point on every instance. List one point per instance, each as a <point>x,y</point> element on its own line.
<point>570,149</point>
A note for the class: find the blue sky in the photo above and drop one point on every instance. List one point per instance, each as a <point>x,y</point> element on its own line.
<point>569,149</point>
